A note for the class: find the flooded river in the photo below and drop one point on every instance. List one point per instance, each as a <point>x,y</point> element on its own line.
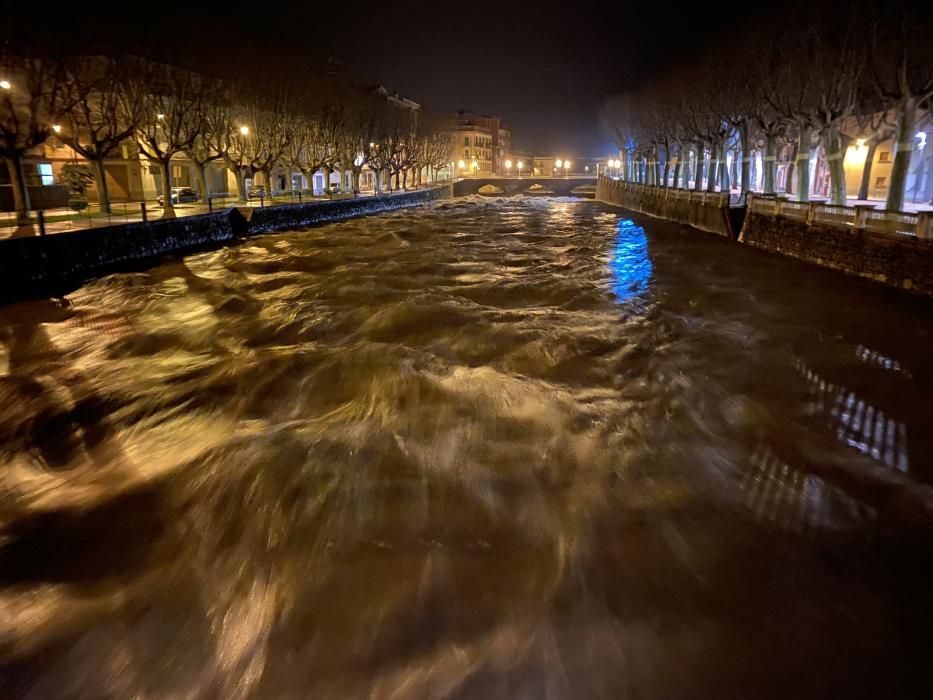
<point>526,448</point>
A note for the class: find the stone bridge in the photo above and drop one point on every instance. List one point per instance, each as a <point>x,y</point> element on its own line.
<point>574,185</point>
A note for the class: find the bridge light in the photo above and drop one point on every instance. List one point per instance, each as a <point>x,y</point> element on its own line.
<point>461,165</point>
<point>558,163</point>
<point>508,165</point>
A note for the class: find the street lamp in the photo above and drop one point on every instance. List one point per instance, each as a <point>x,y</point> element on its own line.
<point>566,167</point>
<point>57,128</point>
<point>558,163</point>
<point>5,84</point>
<point>520,166</point>
<point>461,165</point>
<point>160,116</point>
<point>508,167</point>
<point>244,130</point>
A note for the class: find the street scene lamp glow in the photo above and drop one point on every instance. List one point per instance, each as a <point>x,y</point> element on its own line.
<point>461,165</point>
<point>5,84</point>
<point>244,130</point>
<point>57,128</point>
<point>508,165</point>
<point>160,116</point>
<point>558,163</point>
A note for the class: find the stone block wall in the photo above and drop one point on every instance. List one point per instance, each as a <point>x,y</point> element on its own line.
<point>705,216</point>
<point>36,266</point>
<point>898,261</point>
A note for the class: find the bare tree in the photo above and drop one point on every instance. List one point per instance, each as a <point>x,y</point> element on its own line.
<point>171,118</point>
<point>33,98</point>
<point>103,113</point>
<point>900,69</point>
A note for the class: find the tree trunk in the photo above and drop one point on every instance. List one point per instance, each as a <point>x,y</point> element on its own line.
<point>103,193</point>
<point>832,144</point>
<point>168,208</point>
<point>725,184</point>
<point>903,149</point>
<point>712,177</point>
<point>240,182</point>
<point>202,180</point>
<point>326,171</point>
<point>356,182</point>
<point>865,184</point>
<point>803,164</point>
<point>770,163</point>
<point>746,159</point>
<point>404,179</point>
<point>700,167</point>
<point>21,205</point>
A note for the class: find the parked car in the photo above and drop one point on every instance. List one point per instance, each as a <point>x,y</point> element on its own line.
<point>256,192</point>
<point>181,195</point>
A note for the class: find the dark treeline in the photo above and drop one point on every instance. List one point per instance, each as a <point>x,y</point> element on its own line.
<point>246,116</point>
<point>802,76</point>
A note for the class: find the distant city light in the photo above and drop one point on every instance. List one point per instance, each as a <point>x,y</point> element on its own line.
<point>160,116</point>
<point>5,84</point>
<point>860,143</point>
<point>461,164</point>
<point>508,165</point>
<point>558,163</point>
<point>244,130</point>
<point>57,128</point>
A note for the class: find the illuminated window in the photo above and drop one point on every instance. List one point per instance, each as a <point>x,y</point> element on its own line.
<point>45,174</point>
<point>879,181</point>
<point>885,157</point>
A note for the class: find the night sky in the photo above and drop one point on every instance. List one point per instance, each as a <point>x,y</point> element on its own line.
<point>544,67</point>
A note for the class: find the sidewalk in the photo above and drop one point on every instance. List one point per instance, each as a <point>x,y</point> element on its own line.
<point>63,220</point>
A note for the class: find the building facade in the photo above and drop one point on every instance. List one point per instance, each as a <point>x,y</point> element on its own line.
<point>481,143</point>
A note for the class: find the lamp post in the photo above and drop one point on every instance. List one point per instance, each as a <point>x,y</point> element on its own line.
<point>474,166</point>
<point>520,166</point>
<point>461,165</point>
<point>558,164</point>
<point>508,167</point>
<point>566,168</point>
<point>5,84</point>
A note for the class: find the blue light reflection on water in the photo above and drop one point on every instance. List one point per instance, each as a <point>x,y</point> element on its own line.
<point>630,266</point>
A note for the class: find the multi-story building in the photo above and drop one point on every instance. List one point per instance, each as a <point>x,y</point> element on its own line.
<point>480,142</point>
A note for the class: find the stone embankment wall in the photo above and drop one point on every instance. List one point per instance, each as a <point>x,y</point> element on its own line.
<point>898,261</point>
<point>36,266</point>
<point>707,211</point>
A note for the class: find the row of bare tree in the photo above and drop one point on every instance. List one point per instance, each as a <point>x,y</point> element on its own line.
<point>816,75</point>
<point>96,104</point>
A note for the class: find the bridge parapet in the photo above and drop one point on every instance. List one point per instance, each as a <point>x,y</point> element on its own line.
<point>560,186</point>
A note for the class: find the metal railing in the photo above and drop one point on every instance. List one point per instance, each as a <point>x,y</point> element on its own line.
<point>92,215</point>
<point>859,218</point>
<point>833,214</point>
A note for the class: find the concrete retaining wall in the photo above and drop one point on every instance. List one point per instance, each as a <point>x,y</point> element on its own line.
<point>706,216</point>
<point>897,261</point>
<point>36,266</point>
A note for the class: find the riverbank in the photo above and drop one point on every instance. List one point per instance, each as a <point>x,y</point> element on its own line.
<point>41,266</point>
<point>893,248</point>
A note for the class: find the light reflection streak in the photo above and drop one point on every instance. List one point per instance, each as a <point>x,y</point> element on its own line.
<point>630,265</point>
<point>857,423</point>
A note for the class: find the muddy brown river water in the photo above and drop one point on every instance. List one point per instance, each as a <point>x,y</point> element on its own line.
<point>525,448</point>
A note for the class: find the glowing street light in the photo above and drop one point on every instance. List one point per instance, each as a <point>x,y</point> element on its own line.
<point>566,167</point>
<point>508,167</point>
<point>244,130</point>
<point>461,165</point>
<point>160,116</point>
<point>57,128</point>
<point>558,163</point>
<point>5,84</point>
<point>520,166</point>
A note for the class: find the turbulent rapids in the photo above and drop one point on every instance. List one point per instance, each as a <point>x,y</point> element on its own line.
<point>523,448</point>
